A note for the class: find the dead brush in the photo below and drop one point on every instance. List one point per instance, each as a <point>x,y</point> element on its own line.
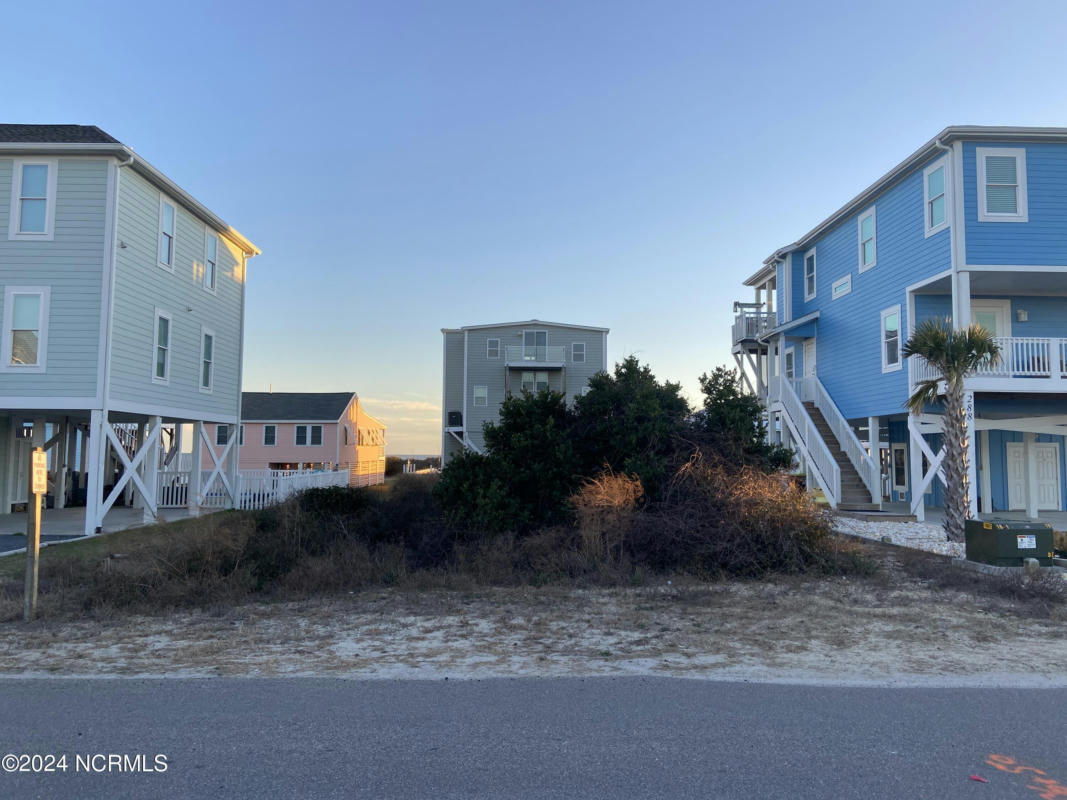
<point>606,507</point>
<point>719,519</point>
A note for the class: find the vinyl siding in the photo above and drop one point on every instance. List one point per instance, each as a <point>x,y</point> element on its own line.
<point>491,373</point>
<point>1040,241</point>
<point>72,265</point>
<point>848,335</point>
<point>141,286</point>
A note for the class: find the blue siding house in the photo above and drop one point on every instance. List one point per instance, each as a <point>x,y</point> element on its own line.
<point>972,228</point>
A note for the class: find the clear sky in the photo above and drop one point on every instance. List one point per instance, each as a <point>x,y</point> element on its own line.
<point>411,166</point>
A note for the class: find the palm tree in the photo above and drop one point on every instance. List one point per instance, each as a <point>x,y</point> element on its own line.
<point>955,355</point>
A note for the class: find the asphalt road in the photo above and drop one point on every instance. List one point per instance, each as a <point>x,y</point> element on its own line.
<point>531,738</point>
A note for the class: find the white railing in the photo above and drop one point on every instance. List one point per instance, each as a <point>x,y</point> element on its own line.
<point>518,353</point>
<point>817,455</point>
<point>258,489</point>
<point>751,324</point>
<point>172,488</point>
<point>868,468</point>
<point>1023,357</point>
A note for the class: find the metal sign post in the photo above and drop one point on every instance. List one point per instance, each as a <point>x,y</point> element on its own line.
<point>38,487</point>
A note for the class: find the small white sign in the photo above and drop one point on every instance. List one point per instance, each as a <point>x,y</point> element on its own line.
<point>40,473</point>
<point>1027,542</point>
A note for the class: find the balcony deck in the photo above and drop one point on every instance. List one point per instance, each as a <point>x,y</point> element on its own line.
<point>517,356</point>
<point>750,325</point>
<point>1027,364</point>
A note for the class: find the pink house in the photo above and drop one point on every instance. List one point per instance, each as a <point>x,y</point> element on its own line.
<point>307,430</point>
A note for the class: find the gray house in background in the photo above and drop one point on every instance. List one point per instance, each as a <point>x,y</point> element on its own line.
<point>483,364</point>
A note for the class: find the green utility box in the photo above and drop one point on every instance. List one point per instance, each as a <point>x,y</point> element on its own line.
<point>1006,542</point>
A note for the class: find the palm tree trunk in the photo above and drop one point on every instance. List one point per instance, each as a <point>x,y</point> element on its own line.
<point>957,474</point>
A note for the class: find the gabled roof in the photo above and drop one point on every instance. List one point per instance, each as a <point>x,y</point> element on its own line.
<point>18,139</point>
<point>933,147</point>
<point>301,406</point>
<point>524,322</point>
<point>69,134</point>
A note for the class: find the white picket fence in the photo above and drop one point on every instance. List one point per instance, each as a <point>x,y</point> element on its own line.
<point>255,488</point>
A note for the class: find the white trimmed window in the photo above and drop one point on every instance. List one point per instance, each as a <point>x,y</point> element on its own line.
<point>1002,184</point>
<point>167,217</point>
<point>481,395</point>
<point>867,247</point>
<point>207,359</point>
<point>790,363</point>
<point>492,348</point>
<point>222,434</point>
<point>241,436</point>
<point>890,325</point>
<point>809,274</point>
<point>211,256</point>
<point>308,435</point>
<point>534,382</point>
<point>270,435</point>
<point>935,197</point>
<point>161,348</point>
<point>25,340</point>
<point>900,467</point>
<point>841,287</point>
<point>33,199</point>
<point>578,352</point>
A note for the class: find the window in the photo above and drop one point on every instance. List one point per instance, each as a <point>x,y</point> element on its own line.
<point>222,434</point>
<point>534,345</point>
<point>309,435</point>
<point>161,366</point>
<point>578,352</point>
<point>481,395</point>
<point>1002,184</point>
<point>207,359</point>
<point>270,435</point>
<point>809,274</point>
<point>841,287</point>
<point>211,254</point>
<point>241,436</point>
<point>891,339</point>
<point>935,197</point>
<point>868,251</point>
<point>166,234</point>
<point>33,199</point>
<point>492,348</point>
<point>534,381</point>
<point>900,467</point>
<point>25,340</point>
<point>344,429</point>
<point>790,363</point>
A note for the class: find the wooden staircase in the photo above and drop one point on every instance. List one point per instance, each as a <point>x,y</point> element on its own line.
<point>854,495</point>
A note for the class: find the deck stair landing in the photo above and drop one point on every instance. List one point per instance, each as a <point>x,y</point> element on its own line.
<point>854,495</point>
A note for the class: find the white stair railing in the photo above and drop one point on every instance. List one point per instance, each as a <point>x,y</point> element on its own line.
<point>869,470</point>
<point>812,447</point>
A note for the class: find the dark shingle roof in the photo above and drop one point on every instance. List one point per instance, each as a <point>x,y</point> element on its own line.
<point>303,406</point>
<point>55,134</point>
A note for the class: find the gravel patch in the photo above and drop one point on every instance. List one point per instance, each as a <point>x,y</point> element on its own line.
<point>918,535</point>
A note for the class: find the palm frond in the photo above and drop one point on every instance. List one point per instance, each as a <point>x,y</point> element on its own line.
<point>925,393</point>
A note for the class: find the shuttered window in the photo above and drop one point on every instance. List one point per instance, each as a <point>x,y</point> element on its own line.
<point>1001,184</point>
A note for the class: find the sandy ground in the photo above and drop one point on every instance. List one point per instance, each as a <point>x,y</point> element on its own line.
<point>897,628</point>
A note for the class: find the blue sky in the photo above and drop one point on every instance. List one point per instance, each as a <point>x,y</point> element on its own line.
<point>411,166</point>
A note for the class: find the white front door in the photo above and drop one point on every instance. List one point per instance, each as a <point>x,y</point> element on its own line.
<point>993,315</point>
<point>1047,459</point>
<point>809,358</point>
